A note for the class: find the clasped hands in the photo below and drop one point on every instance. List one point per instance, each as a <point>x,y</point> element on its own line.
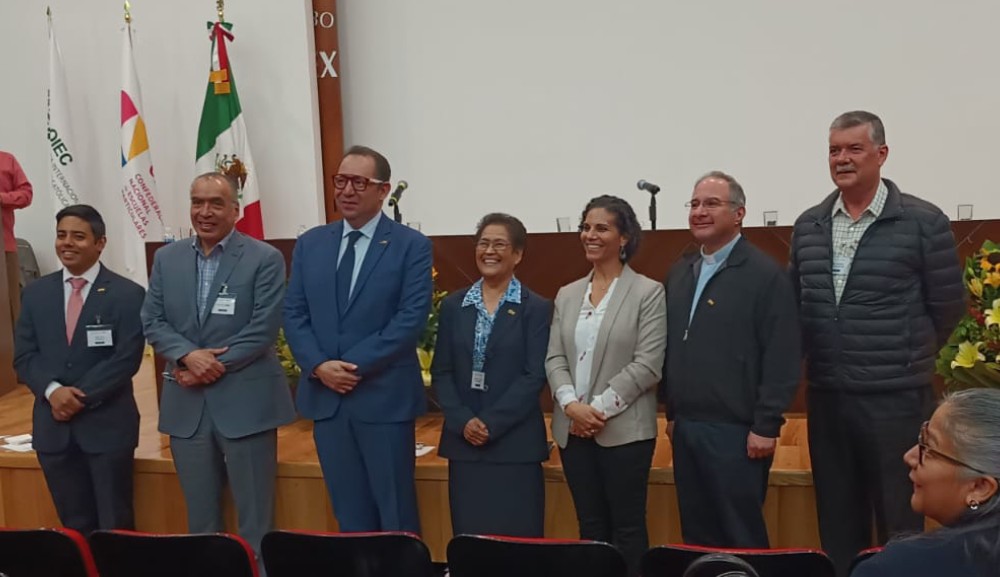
<point>201,367</point>
<point>585,421</point>
<point>339,376</point>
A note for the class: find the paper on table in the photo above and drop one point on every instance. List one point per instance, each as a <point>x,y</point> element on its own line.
<point>21,448</point>
<point>19,439</point>
<point>423,449</point>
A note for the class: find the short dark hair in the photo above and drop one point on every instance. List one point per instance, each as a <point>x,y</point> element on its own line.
<point>87,213</point>
<point>382,170</point>
<point>876,130</point>
<point>515,228</point>
<point>625,220</point>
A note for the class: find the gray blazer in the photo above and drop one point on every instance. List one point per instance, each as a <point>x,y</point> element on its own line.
<point>628,356</point>
<point>252,396</point>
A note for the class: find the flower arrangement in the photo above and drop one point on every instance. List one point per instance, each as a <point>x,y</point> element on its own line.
<point>971,358</point>
<point>425,347</point>
<point>292,369</point>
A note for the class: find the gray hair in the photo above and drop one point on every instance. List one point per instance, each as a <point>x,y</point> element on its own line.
<point>736,196</point>
<point>228,181</point>
<point>876,130</point>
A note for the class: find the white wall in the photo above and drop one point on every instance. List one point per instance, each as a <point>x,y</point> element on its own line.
<point>532,106</point>
<point>274,65</point>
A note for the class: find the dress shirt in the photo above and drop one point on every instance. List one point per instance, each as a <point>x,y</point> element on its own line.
<point>847,234</point>
<point>15,192</point>
<point>588,325</point>
<point>91,276</point>
<point>710,264</point>
<point>360,246</point>
<point>207,267</point>
<point>484,319</point>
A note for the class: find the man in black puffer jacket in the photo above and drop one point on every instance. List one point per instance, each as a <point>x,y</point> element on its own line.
<point>880,290</point>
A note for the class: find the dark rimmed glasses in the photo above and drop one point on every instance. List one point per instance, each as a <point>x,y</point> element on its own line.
<point>923,448</point>
<point>709,204</point>
<point>360,183</point>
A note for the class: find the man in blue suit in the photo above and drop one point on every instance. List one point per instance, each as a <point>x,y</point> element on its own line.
<point>356,304</point>
<point>77,345</point>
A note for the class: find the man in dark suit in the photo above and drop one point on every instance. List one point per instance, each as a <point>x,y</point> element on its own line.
<point>77,345</point>
<point>213,311</point>
<point>357,302</point>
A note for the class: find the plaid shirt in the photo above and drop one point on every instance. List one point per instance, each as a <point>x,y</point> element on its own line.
<point>207,267</point>
<point>484,320</point>
<point>847,234</point>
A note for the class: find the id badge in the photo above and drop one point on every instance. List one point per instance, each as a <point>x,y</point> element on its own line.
<point>99,336</point>
<point>841,265</point>
<point>224,305</point>
<point>479,381</point>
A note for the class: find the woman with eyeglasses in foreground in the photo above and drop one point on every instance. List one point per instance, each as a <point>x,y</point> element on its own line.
<point>954,468</point>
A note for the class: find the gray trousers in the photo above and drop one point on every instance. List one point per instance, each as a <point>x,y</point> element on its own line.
<point>207,459</point>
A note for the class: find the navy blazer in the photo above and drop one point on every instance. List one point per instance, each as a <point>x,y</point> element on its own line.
<point>515,375</point>
<point>110,419</point>
<point>378,331</point>
<point>924,556</point>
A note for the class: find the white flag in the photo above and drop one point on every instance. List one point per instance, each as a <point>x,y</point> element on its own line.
<point>141,211</point>
<point>62,146</point>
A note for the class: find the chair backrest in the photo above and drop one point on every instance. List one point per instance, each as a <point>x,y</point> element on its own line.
<point>128,554</point>
<point>50,552</point>
<point>27,262</point>
<point>489,556</point>
<point>308,554</point>
<point>670,560</point>
<point>720,565</point>
<point>862,556</point>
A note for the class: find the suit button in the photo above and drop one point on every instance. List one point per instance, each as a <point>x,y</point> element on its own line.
<point>69,365</point>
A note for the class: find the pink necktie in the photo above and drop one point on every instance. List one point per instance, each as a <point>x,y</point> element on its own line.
<point>74,307</point>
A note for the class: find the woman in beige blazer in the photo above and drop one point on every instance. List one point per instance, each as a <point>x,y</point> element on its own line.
<point>604,361</point>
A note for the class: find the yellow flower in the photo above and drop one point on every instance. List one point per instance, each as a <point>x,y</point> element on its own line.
<point>985,264</point>
<point>425,359</point>
<point>976,287</point>
<point>992,315</point>
<point>992,279</point>
<point>968,355</point>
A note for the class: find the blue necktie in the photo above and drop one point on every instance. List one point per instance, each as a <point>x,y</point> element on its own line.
<point>345,270</point>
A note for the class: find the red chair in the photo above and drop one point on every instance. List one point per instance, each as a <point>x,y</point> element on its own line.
<point>862,556</point>
<point>490,556</point>
<point>309,554</point>
<point>131,554</point>
<point>49,552</point>
<point>673,560</point>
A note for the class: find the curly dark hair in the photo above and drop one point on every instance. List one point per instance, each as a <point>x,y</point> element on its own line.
<point>625,220</point>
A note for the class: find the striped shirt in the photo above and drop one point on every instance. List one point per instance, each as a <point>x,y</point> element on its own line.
<point>207,267</point>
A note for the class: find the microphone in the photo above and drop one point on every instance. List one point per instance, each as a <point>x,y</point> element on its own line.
<point>647,186</point>
<point>394,197</point>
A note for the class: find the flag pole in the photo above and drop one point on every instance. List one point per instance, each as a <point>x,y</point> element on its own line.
<point>128,12</point>
<point>220,6</point>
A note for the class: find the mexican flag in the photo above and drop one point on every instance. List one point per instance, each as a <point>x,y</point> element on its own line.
<point>222,133</point>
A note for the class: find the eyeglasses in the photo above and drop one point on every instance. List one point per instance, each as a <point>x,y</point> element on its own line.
<point>360,183</point>
<point>498,246</point>
<point>709,204</point>
<point>924,449</point>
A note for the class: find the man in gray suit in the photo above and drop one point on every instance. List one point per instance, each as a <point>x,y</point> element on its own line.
<point>213,311</point>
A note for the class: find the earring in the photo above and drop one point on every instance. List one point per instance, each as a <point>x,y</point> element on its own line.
<point>621,253</point>
<point>974,505</point>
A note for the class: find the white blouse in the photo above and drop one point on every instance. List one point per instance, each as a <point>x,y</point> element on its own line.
<point>588,324</point>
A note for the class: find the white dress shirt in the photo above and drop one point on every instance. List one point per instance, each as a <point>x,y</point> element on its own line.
<point>360,246</point>
<point>588,324</point>
<point>90,275</point>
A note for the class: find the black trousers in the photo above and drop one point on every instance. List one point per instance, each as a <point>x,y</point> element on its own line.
<point>496,498</point>
<point>720,490</point>
<point>91,491</point>
<point>608,485</point>
<point>856,443</point>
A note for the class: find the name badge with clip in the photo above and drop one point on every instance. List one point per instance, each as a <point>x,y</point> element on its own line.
<point>225,303</point>
<point>99,335</point>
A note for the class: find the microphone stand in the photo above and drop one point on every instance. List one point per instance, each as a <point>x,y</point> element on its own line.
<point>396,215</point>
<point>652,211</point>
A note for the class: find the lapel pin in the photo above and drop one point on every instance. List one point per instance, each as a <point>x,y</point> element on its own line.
<point>383,242</point>
<point>711,303</point>
<point>511,312</point>
<point>100,289</point>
